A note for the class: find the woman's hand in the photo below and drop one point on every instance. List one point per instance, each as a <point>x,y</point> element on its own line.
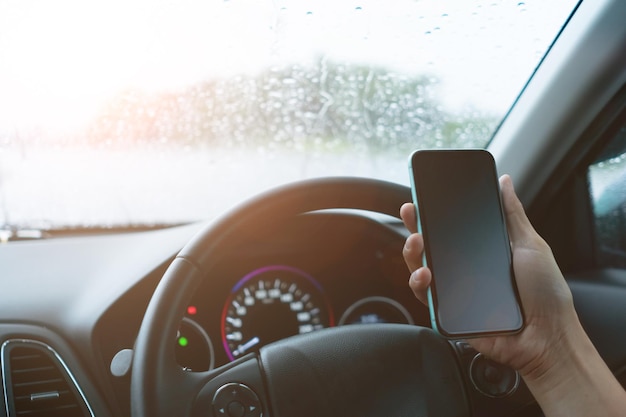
<point>546,298</point>
<point>552,353</point>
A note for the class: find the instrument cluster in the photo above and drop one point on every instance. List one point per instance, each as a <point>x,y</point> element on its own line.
<point>284,289</point>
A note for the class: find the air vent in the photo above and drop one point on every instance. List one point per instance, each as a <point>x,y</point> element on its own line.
<point>38,384</point>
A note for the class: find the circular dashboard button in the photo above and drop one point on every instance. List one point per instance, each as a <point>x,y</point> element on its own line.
<point>236,400</point>
<point>491,378</point>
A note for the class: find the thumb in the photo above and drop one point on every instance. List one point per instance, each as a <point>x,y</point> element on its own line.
<point>521,231</point>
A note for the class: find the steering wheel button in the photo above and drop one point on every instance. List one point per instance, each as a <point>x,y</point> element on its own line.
<point>236,400</point>
<point>236,409</point>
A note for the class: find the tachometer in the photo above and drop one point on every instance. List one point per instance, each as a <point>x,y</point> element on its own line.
<point>269,304</point>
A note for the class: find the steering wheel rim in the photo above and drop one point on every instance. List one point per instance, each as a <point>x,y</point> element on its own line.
<point>159,387</point>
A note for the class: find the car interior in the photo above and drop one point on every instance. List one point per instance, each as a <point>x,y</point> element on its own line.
<point>295,300</point>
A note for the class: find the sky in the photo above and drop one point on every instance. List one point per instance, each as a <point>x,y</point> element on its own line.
<point>60,60</point>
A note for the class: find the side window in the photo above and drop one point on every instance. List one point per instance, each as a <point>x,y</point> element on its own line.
<point>607,181</point>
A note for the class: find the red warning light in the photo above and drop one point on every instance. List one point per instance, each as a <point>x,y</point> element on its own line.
<point>192,310</point>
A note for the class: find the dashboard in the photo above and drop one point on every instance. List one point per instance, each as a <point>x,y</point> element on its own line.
<point>318,270</point>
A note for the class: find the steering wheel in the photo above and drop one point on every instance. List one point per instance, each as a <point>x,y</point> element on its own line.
<point>359,370</point>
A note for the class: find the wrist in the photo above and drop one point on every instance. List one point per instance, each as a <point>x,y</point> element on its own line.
<point>571,379</point>
<point>564,348</point>
<point>565,351</point>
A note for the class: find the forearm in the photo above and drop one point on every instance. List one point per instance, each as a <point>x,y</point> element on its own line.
<point>578,382</point>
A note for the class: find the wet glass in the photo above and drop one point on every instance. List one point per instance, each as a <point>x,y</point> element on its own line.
<point>607,186</point>
<point>135,112</point>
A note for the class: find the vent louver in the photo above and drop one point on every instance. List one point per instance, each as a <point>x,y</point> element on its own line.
<point>38,384</point>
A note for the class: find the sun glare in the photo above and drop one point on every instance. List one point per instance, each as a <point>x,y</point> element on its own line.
<point>60,61</point>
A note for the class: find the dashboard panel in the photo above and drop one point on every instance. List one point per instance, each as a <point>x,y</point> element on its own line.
<point>306,277</point>
<point>352,261</point>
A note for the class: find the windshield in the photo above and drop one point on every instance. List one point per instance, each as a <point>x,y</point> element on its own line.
<point>124,113</point>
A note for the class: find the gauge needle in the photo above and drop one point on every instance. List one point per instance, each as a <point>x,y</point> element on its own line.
<point>242,348</point>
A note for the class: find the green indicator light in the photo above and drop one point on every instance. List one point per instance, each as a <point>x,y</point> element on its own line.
<point>183,341</point>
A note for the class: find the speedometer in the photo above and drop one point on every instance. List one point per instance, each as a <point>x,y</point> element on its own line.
<point>269,304</point>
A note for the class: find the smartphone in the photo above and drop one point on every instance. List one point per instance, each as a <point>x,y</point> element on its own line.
<point>466,245</point>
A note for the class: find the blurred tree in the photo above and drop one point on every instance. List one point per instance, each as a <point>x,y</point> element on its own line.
<point>327,105</point>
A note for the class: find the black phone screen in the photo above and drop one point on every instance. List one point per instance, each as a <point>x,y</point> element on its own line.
<point>466,243</point>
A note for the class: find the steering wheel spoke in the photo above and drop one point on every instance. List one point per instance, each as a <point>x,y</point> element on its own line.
<point>235,390</point>
<point>364,370</point>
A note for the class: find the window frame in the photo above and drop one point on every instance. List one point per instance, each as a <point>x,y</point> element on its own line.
<point>563,210</point>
